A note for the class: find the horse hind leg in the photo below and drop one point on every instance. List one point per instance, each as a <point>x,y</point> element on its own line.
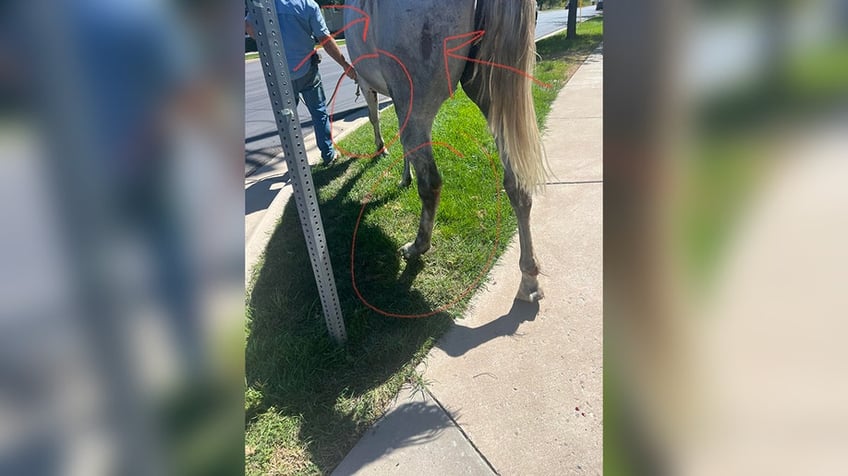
<point>406,179</point>
<point>374,117</point>
<point>522,202</point>
<point>417,137</point>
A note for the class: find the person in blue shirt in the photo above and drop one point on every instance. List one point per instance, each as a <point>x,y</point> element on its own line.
<point>301,26</point>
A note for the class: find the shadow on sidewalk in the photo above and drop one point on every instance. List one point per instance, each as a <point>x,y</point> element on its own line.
<point>255,159</point>
<point>258,195</point>
<point>410,424</point>
<point>461,339</point>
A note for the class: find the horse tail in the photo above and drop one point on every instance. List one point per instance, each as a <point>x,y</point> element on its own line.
<point>508,41</point>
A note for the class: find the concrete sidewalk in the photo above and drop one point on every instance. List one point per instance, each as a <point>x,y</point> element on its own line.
<point>516,388</point>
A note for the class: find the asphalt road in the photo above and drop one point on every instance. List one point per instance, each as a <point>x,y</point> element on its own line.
<point>262,142</point>
<point>551,21</point>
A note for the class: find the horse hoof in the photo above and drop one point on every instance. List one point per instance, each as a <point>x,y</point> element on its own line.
<point>404,183</point>
<point>529,289</point>
<point>531,297</point>
<point>410,252</point>
<point>537,296</point>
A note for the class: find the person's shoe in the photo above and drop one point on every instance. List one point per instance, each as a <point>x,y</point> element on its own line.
<point>327,162</point>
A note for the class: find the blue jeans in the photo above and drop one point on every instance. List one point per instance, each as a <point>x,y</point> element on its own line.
<point>310,87</point>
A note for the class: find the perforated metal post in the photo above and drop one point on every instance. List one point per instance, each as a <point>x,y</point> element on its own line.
<point>275,66</point>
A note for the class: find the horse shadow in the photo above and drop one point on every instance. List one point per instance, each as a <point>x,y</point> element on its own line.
<point>293,369</point>
<point>460,339</point>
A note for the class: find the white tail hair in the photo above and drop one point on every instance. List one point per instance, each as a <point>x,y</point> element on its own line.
<point>508,40</point>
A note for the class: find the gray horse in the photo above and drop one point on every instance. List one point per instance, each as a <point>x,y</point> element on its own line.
<point>416,52</point>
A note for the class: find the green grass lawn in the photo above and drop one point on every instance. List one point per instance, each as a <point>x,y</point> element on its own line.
<point>307,400</point>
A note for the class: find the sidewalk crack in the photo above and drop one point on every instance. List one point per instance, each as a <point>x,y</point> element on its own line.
<point>462,431</point>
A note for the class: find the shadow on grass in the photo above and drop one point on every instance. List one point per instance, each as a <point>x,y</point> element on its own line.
<point>334,391</point>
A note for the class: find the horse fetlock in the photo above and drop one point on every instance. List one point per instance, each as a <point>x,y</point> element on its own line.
<point>529,267</point>
<point>413,250</point>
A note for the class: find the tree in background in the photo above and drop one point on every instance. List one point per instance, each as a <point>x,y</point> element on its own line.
<point>571,27</point>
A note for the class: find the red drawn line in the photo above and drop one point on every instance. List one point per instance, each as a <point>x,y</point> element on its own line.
<point>472,37</point>
<point>515,70</point>
<point>483,271</point>
<point>365,18</point>
<point>401,127</point>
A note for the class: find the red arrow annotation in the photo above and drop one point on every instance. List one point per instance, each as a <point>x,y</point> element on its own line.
<point>470,38</point>
<point>408,108</point>
<point>449,52</point>
<point>365,19</point>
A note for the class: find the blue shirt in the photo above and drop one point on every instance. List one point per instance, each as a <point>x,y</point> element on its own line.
<point>301,25</point>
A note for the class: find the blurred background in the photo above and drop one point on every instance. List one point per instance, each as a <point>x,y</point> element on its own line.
<point>725,220</point>
<point>121,284</point>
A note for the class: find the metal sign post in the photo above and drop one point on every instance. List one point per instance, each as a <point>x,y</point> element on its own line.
<point>275,66</point>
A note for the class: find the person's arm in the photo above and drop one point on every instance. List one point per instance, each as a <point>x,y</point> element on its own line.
<point>322,34</point>
<point>248,27</point>
<point>333,50</point>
